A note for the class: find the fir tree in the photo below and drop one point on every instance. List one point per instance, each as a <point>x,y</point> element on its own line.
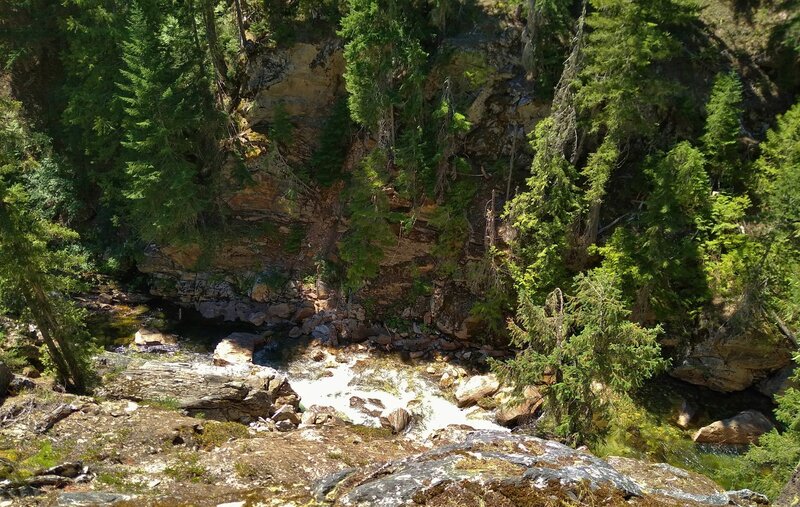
<point>38,267</point>
<point>170,124</point>
<point>724,110</point>
<point>584,352</point>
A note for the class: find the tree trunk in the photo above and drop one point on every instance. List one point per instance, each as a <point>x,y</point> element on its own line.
<point>240,21</point>
<point>217,59</point>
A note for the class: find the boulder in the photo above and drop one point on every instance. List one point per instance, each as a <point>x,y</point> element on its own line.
<point>216,392</point>
<point>397,420</point>
<point>315,415</point>
<point>280,311</point>
<point>237,348</point>
<point>476,388</point>
<point>521,412</point>
<point>777,383</point>
<point>148,337</point>
<point>743,428</point>
<point>5,379</point>
<point>303,313</point>
<point>505,469</point>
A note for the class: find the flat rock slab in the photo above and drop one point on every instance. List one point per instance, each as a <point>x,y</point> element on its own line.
<point>219,393</point>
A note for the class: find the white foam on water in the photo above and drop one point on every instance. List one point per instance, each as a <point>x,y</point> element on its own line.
<point>395,384</point>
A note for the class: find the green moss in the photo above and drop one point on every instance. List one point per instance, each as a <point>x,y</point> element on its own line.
<point>165,403</point>
<point>217,433</point>
<point>187,469</point>
<point>370,432</point>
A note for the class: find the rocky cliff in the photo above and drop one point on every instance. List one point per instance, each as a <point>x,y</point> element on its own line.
<point>280,246</point>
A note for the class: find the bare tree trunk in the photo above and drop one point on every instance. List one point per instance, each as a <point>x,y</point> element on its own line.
<point>237,4</point>
<point>511,163</point>
<point>57,345</point>
<point>217,59</point>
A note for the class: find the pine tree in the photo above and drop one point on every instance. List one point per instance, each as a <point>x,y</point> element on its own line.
<point>37,267</point>
<point>722,128</point>
<point>383,60</point>
<point>583,351</point>
<point>170,123</point>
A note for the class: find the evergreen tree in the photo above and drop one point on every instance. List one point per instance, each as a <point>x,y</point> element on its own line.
<point>170,123</point>
<point>383,60</point>
<point>37,266</point>
<point>584,352</point>
<point>724,111</point>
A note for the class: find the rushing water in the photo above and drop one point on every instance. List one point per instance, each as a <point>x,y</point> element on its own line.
<point>359,384</point>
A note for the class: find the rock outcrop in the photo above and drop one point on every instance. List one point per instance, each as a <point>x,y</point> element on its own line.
<point>396,420</point>
<point>732,363</point>
<point>741,429</point>
<point>522,411</point>
<point>493,468</point>
<point>148,337</point>
<point>217,393</point>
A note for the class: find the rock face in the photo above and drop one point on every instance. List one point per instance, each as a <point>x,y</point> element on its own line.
<point>743,428</point>
<point>493,468</point>
<point>215,392</point>
<point>732,363</point>
<point>475,389</point>
<point>237,348</point>
<point>397,420</point>
<point>790,495</point>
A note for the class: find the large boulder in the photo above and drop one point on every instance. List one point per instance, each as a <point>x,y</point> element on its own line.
<point>743,428</point>
<point>521,412</point>
<point>502,469</point>
<point>728,363</point>
<point>475,389</point>
<point>222,394</point>
<point>237,348</point>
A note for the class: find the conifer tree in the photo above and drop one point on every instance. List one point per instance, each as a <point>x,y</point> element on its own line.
<point>37,267</point>
<point>583,351</point>
<point>724,111</point>
<point>170,123</point>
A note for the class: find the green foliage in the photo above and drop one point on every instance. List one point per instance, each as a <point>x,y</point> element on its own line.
<point>383,56</point>
<point>451,222</point>
<point>369,231</point>
<point>722,128</point>
<point>543,216</point>
<point>39,264</point>
<point>585,351</point>
<point>629,36</point>
<point>170,123</point>
<point>546,37</point>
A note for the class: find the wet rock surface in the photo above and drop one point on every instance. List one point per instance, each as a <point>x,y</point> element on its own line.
<point>237,348</point>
